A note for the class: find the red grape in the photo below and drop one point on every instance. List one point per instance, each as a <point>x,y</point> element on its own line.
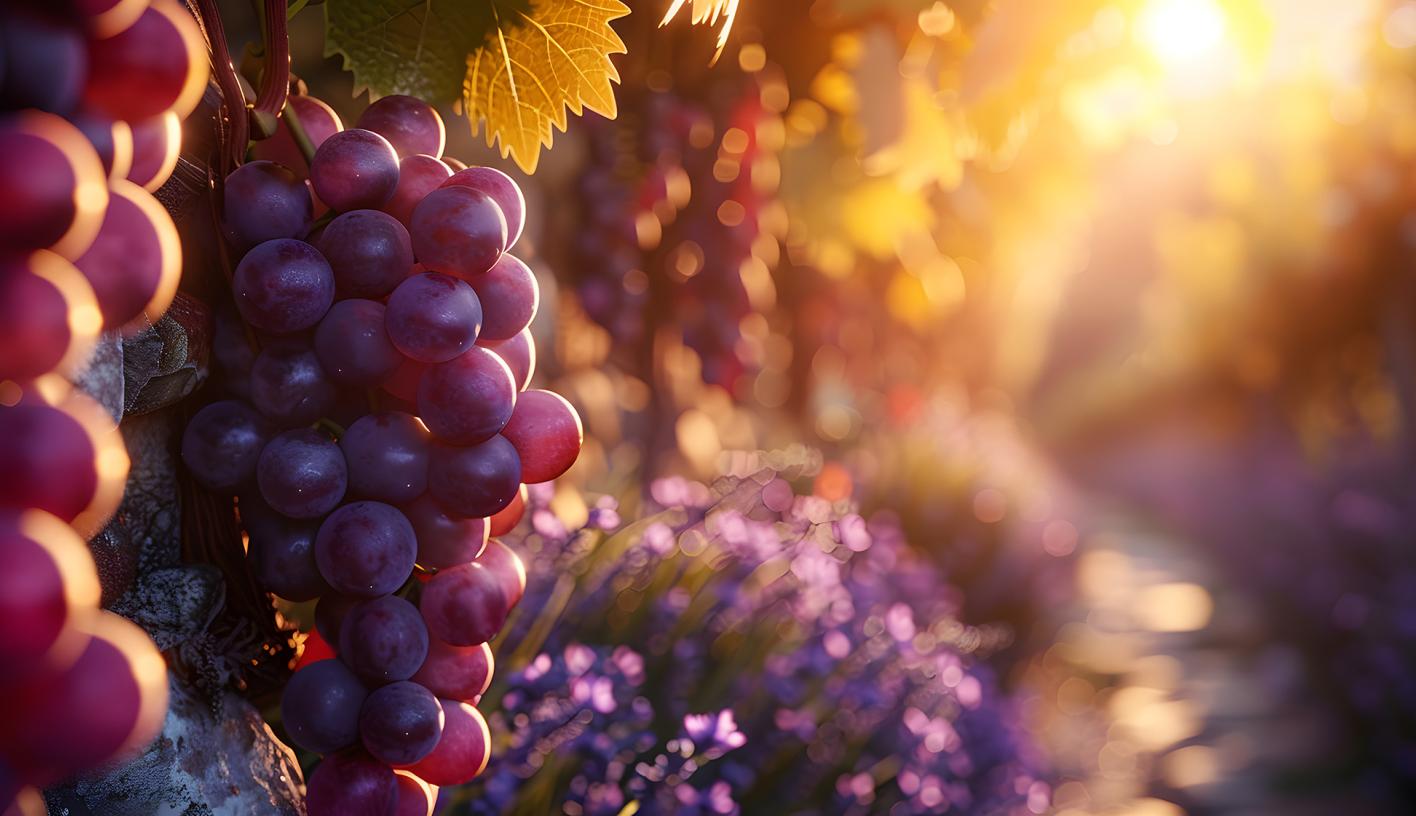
<point>353,345</point>
<point>506,519</point>
<point>351,784</point>
<point>289,386</point>
<point>67,460</point>
<point>49,316</point>
<point>467,399</point>
<point>433,318</point>
<point>506,565</point>
<point>157,64</point>
<point>283,286</point>
<point>400,723</point>
<point>410,125</point>
<point>444,540</point>
<point>456,672</point>
<point>502,190</point>
<point>388,457</point>
<point>458,231</point>
<point>319,122</point>
<point>415,797</point>
<point>355,170</point>
<point>510,297</point>
<point>265,201</point>
<point>222,443</point>
<point>464,605</point>
<point>156,143</point>
<point>135,263</point>
<point>462,752</point>
<point>55,187</point>
<point>301,474</point>
<point>383,640</point>
<point>47,582</point>
<point>417,176</point>
<point>519,353</point>
<point>546,433</point>
<point>369,252</point>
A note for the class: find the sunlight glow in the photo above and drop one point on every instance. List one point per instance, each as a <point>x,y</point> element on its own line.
<point>1179,32</point>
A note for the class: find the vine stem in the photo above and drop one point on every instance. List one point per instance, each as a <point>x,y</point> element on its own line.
<point>233,101</point>
<point>275,76</point>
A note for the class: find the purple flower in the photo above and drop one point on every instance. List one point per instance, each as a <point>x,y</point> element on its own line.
<point>714,732</point>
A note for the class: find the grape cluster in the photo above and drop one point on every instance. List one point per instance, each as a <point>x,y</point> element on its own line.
<point>383,433</point>
<point>91,96</point>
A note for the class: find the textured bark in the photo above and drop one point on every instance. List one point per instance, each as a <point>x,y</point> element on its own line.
<point>215,755</point>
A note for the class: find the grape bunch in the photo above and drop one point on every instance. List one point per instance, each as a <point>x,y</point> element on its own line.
<point>380,432</point>
<point>91,96</point>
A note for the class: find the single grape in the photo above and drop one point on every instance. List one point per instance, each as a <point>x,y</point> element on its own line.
<point>330,613</point>
<point>456,672</point>
<point>319,122</point>
<point>135,263</point>
<point>383,640</point>
<point>66,460</point>
<point>369,252</point>
<point>475,480</point>
<point>417,176</point>
<point>355,169</point>
<point>108,17</point>
<point>467,399</point>
<point>320,707</point>
<point>433,318</point>
<point>500,187</point>
<point>506,519</point>
<point>353,345</point>
<point>222,444</point>
<point>112,140</point>
<point>463,750</point>
<point>283,554</point>
<point>47,585</point>
<point>388,457</point>
<point>103,708</point>
<point>410,125</point>
<point>403,382</point>
<point>156,144</point>
<point>290,387</point>
<point>157,64</point>
<point>400,723</point>
<point>283,286</point>
<point>505,564</point>
<point>519,353</point>
<point>49,316</point>
<point>510,297</point>
<point>457,230</point>
<point>547,435</point>
<point>444,540</point>
<point>44,62</point>
<point>464,605</point>
<point>264,201</point>
<point>415,797</point>
<point>301,474</point>
<point>351,783</point>
<point>366,549</point>
<point>55,187</point>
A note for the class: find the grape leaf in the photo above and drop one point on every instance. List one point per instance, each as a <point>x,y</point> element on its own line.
<point>536,64</point>
<point>414,47</point>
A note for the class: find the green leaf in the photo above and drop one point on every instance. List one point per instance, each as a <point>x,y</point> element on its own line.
<point>414,47</point>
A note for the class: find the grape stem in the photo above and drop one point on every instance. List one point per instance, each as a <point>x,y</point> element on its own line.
<point>275,73</point>
<point>330,427</point>
<point>297,130</point>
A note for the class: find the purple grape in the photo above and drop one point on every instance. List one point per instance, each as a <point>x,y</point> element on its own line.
<point>353,345</point>
<point>476,480</point>
<point>510,297</point>
<point>44,61</point>
<point>383,640</point>
<point>354,169</point>
<point>283,554</point>
<point>415,797</point>
<point>302,474</point>
<point>410,125</point>
<point>519,353</point>
<point>369,252</point>
<point>222,443</point>
<point>283,286</point>
<point>500,187</point>
<point>444,539</point>
<point>433,318</point>
<point>458,230</point>
<point>330,613</point>
<point>464,605</point>
<point>388,457</point>
<point>113,141</point>
<point>401,723</point>
<point>351,784</point>
<point>320,706</point>
<point>264,201</point>
<point>366,549</point>
<point>290,387</point>
<point>467,399</point>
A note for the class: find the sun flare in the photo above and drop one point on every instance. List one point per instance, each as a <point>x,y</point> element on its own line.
<point>1179,32</point>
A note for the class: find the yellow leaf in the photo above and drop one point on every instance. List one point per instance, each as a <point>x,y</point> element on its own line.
<point>708,11</point>
<point>539,61</point>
